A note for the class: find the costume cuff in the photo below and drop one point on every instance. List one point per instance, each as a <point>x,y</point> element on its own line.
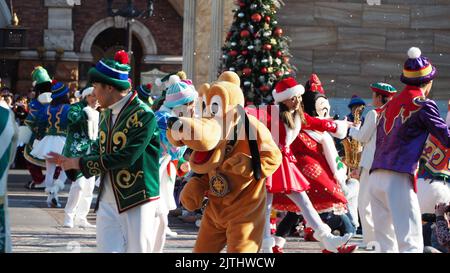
<point>342,128</point>
<point>91,166</point>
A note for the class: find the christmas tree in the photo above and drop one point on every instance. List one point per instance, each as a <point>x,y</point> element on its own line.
<point>256,49</point>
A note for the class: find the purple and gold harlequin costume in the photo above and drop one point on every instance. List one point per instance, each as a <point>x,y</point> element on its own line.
<point>403,128</point>
<point>404,125</point>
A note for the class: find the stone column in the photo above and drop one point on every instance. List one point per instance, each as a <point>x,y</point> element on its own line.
<point>189,38</point>
<point>59,40</point>
<point>217,11</point>
<point>59,34</point>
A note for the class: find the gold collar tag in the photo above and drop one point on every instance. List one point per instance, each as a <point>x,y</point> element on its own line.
<point>219,185</point>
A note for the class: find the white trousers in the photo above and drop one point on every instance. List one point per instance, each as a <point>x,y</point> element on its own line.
<point>132,231</point>
<point>431,193</point>
<point>364,208</point>
<point>160,230</point>
<point>353,186</point>
<point>394,204</point>
<point>80,198</point>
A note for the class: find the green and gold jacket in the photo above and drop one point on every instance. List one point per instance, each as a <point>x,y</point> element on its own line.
<point>77,140</point>
<point>129,153</point>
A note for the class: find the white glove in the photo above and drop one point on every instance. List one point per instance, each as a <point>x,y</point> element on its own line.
<point>93,119</point>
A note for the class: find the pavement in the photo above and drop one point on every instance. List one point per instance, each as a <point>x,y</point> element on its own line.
<point>38,229</point>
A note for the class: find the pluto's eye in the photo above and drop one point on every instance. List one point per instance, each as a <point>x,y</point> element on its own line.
<point>216,106</point>
<point>214,109</point>
<point>203,106</point>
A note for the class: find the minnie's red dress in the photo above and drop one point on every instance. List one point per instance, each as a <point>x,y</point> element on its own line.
<point>324,191</point>
<point>287,178</point>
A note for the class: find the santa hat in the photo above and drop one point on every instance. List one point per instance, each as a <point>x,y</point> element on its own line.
<point>313,92</point>
<point>286,89</point>
<point>417,69</point>
<point>383,89</point>
<point>112,72</point>
<point>356,100</point>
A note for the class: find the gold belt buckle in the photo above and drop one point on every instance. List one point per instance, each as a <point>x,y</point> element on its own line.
<point>219,185</point>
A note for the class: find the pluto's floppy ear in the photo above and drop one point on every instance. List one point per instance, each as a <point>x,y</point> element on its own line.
<point>229,76</point>
<point>203,89</point>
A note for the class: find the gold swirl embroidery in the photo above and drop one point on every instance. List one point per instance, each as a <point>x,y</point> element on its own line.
<point>133,121</point>
<point>125,179</point>
<point>119,140</point>
<point>49,120</point>
<point>94,168</point>
<point>102,141</point>
<point>58,121</point>
<point>102,137</point>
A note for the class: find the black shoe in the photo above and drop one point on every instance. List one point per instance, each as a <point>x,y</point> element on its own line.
<point>359,230</point>
<point>33,186</point>
<point>55,203</point>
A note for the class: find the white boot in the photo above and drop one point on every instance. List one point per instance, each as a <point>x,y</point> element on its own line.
<point>267,245</point>
<point>279,244</point>
<point>171,233</point>
<point>279,241</point>
<point>83,223</point>
<point>68,221</point>
<point>330,242</point>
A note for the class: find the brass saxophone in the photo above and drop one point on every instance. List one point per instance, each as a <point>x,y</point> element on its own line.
<point>352,147</point>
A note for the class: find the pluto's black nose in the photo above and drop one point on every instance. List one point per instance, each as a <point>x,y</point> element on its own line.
<point>174,121</point>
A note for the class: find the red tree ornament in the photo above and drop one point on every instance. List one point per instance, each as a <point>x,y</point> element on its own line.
<point>264,88</point>
<point>278,74</point>
<point>247,71</point>
<point>279,54</point>
<point>264,70</point>
<point>245,33</point>
<point>278,31</point>
<point>267,18</point>
<point>244,52</point>
<point>267,47</point>
<point>256,17</point>
<point>233,53</point>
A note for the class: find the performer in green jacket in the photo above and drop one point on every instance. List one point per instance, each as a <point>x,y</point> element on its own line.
<point>126,158</point>
<point>82,133</point>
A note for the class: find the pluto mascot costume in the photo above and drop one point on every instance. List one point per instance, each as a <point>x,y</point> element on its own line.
<point>232,155</point>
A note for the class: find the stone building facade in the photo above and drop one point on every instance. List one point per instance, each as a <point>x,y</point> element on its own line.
<point>351,44</point>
